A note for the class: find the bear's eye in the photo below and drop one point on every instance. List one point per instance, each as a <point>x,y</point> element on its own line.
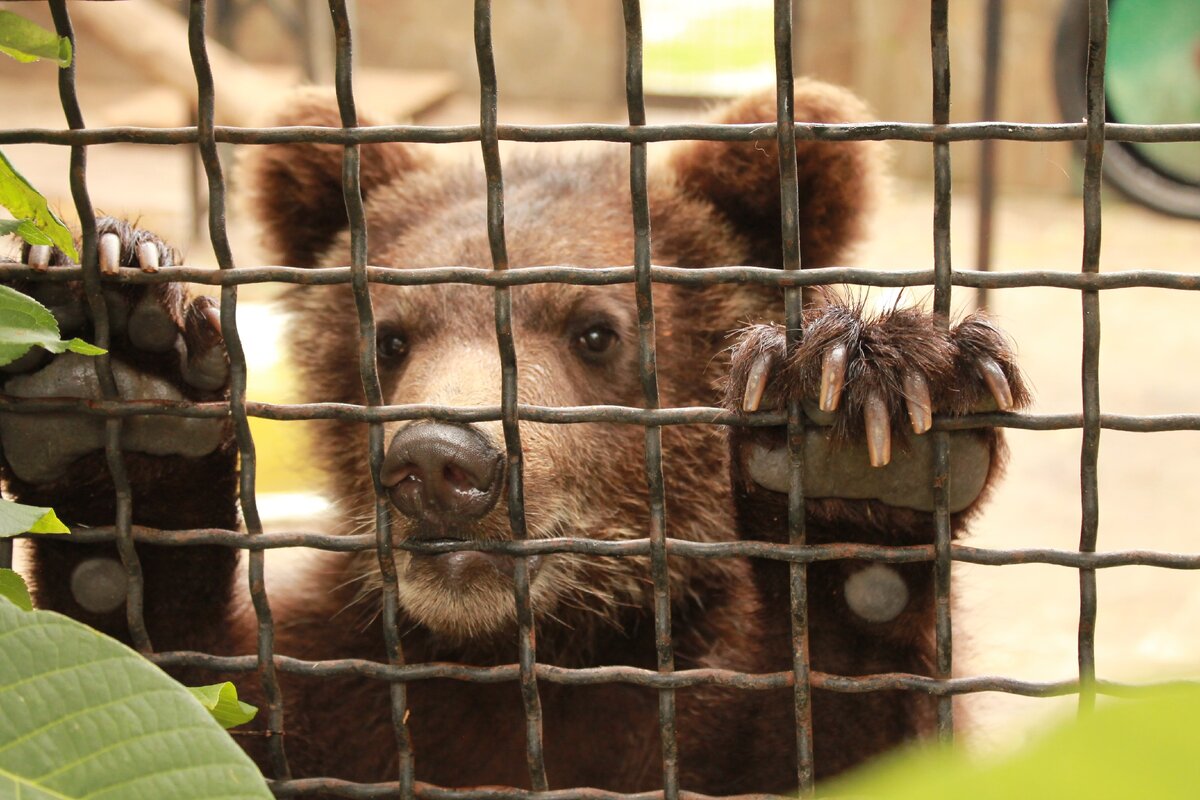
<point>391,345</point>
<point>597,342</point>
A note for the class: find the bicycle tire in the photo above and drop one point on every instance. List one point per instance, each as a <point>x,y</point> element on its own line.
<point>1125,168</point>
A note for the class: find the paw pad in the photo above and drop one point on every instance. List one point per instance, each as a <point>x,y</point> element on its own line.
<point>98,585</point>
<point>876,593</point>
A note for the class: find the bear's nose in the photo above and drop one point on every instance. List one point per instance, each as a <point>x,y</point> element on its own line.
<point>438,472</point>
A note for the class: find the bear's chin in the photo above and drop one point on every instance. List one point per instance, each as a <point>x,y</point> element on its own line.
<point>463,594</point>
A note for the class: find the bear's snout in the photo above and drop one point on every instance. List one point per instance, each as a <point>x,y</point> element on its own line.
<point>441,473</point>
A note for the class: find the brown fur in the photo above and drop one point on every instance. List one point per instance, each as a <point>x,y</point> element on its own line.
<point>716,204</point>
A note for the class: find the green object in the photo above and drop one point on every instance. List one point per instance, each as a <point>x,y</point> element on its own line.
<point>24,323</point>
<point>14,590</point>
<point>1152,75</point>
<point>701,50</point>
<point>85,716</point>
<point>1144,748</point>
<point>16,518</point>
<point>25,229</point>
<point>27,41</point>
<point>26,204</point>
<point>221,700</point>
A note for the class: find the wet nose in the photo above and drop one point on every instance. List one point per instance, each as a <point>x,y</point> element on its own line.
<point>439,472</point>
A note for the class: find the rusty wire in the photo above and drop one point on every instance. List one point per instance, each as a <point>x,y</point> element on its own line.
<point>657,545</point>
<point>626,134</point>
<point>648,373</point>
<point>493,171</point>
<point>939,46</point>
<point>218,234</point>
<point>793,313</point>
<point>373,392</point>
<point>135,586</point>
<point>603,276</point>
<point>1090,369</point>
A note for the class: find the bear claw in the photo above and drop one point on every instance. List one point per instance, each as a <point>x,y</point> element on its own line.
<point>148,256</point>
<point>997,384</point>
<point>756,382</point>
<point>39,257</point>
<point>918,401</point>
<point>110,254</point>
<point>879,429</point>
<point>833,377</point>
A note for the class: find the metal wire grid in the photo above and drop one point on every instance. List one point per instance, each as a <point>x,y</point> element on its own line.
<point>642,274</point>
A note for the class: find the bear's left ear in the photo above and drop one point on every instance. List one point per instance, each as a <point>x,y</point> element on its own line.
<point>838,181</point>
<point>295,189</point>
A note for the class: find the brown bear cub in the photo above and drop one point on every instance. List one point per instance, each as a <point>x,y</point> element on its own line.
<point>869,384</point>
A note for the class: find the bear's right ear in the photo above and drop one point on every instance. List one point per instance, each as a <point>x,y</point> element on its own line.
<point>296,189</point>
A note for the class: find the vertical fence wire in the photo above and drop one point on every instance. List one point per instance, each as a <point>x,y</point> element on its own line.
<point>993,26</point>
<point>648,369</point>
<point>793,300</point>
<point>527,636</point>
<point>1093,164</point>
<point>369,374</point>
<point>206,141</point>
<point>135,585</point>
<point>942,269</point>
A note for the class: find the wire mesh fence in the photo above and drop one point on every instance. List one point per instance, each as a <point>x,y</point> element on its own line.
<point>643,275</point>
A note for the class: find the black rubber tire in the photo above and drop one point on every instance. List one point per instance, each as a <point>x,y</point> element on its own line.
<point>1124,168</point>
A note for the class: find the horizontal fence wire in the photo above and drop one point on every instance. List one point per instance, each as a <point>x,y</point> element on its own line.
<point>605,276</point>
<point>641,547</point>
<point>624,134</point>
<point>658,545</point>
<point>652,679</point>
<point>562,415</point>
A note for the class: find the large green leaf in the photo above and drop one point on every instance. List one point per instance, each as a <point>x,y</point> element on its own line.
<point>221,700</point>
<point>24,323</point>
<point>1143,748</point>
<point>16,518</point>
<point>27,41</point>
<point>85,716</point>
<point>26,203</point>
<point>14,590</point>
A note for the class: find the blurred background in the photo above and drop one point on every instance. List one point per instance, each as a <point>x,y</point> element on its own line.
<point>562,61</point>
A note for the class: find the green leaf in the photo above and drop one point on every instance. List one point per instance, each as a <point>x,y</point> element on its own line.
<point>25,229</point>
<point>1126,748</point>
<point>24,322</point>
<point>84,348</point>
<point>14,590</point>
<point>27,41</point>
<point>85,716</point>
<point>221,700</point>
<point>16,518</point>
<point>25,203</point>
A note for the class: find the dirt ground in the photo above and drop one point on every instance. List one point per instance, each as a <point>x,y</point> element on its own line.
<point>1017,621</point>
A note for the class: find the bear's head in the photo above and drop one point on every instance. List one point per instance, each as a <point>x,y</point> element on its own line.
<point>711,204</point>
